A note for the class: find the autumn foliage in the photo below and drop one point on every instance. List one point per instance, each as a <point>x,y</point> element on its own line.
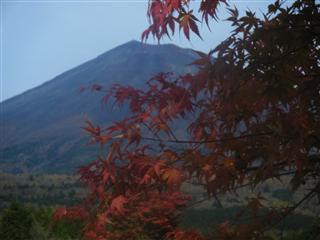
<point>250,113</point>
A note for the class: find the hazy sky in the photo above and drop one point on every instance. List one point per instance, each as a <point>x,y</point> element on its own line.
<point>43,38</point>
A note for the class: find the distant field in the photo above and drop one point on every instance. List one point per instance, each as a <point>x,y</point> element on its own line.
<point>40,190</point>
<point>56,189</point>
<point>44,193</point>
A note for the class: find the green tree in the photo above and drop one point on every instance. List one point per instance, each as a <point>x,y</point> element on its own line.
<point>16,223</point>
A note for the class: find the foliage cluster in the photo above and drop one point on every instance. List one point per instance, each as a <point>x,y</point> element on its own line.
<point>251,114</point>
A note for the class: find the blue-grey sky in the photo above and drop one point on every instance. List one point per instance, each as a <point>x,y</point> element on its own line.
<point>43,38</point>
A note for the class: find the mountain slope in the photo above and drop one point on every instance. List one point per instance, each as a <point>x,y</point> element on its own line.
<point>41,128</point>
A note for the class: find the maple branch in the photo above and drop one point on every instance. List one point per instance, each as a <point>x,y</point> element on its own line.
<point>245,184</point>
<point>310,195</point>
<point>208,141</point>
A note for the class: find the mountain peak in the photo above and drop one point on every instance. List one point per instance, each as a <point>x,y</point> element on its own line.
<point>130,44</point>
<point>133,42</point>
<point>42,126</point>
<point>134,47</point>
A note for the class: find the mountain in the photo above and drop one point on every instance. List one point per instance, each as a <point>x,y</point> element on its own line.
<point>40,129</point>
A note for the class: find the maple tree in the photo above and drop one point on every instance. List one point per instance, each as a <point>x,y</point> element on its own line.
<point>252,112</point>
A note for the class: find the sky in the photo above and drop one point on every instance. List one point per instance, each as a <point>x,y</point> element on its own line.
<point>41,39</point>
